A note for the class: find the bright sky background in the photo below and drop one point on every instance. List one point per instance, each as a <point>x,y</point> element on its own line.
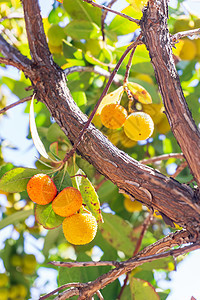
<point>14,127</point>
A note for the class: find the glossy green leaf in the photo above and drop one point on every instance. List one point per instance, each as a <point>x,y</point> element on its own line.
<point>119,233</point>
<point>55,133</point>
<point>142,290</point>
<point>80,10</point>
<point>121,26</point>
<point>16,218</point>
<point>16,180</point>
<point>70,51</point>
<point>79,98</point>
<point>82,30</point>
<point>45,216</point>
<point>62,179</point>
<point>5,168</point>
<point>90,197</point>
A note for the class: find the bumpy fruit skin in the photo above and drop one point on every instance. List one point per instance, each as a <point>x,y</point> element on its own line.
<point>68,202</point>
<point>138,126</point>
<point>113,116</point>
<point>41,189</point>
<point>132,206</point>
<point>79,229</point>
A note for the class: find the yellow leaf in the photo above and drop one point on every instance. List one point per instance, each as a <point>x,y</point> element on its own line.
<point>114,97</point>
<point>139,93</point>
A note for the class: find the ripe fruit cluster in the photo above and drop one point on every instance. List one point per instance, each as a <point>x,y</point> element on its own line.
<point>78,228</point>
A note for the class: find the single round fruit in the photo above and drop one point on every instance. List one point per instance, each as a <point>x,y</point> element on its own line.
<point>55,35</point>
<point>4,279</point>
<point>189,50</point>
<point>13,292</point>
<point>113,116</point>
<point>155,110</point>
<point>29,261</point>
<point>41,189</point>
<point>138,126</point>
<point>68,201</point>
<point>22,291</point>
<point>79,229</point>
<point>132,206</point>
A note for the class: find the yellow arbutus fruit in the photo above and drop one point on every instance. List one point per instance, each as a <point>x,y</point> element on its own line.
<point>67,202</point>
<point>113,116</point>
<point>132,206</point>
<point>189,50</point>
<point>139,126</point>
<point>139,93</point>
<point>114,97</point>
<point>41,189</point>
<point>125,141</point>
<point>79,229</point>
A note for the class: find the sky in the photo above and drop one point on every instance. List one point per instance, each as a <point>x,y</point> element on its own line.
<point>184,282</point>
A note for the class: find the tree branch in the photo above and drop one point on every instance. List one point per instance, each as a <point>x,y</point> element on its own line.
<point>158,42</point>
<point>103,7</point>
<point>96,70</point>
<point>35,33</point>
<point>161,157</point>
<point>182,34</point>
<point>14,58</point>
<point>3,110</point>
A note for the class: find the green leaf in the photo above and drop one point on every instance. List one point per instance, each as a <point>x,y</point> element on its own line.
<point>82,30</point>
<point>121,26</point>
<point>45,216</point>
<point>119,233</point>
<point>151,89</point>
<point>50,240</point>
<point>5,168</point>
<point>80,10</point>
<point>90,197</point>
<point>142,290</point>
<point>62,179</point>
<point>16,180</point>
<point>15,218</point>
<point>55,133</point>
<point>79,98</point>
<point>70,51</point>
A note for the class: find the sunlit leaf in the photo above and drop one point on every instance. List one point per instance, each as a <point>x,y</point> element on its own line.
<point>90,197</point>
<point>15,218</point>
<point>139,93</point>
<point>113,97</point>
<point>142,290</point>
<point>45,216</point>
<point>82,30</point>
<point>35,137</point>
<point>62,179</point>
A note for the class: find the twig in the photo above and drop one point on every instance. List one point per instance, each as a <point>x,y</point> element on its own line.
<point>78,264</point>
<point>128,67</point>
<point>182,34</point>
<point>12,16</point>
<point>67,285</point>
<point>179,169</point>
<point>162,157</point>
<point>113,11</point>
<point>103,16</point>
<point>3,110</point>
<point>96,69</point>
<point>82,132</point>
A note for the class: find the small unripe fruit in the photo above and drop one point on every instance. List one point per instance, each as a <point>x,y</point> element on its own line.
<point>80,229</point>
<point>68,202</point>
<point>132,206</point>
<point>41,189</point>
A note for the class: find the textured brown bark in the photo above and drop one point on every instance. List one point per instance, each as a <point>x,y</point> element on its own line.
<point>176,201</point>
<point>158,42</point>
